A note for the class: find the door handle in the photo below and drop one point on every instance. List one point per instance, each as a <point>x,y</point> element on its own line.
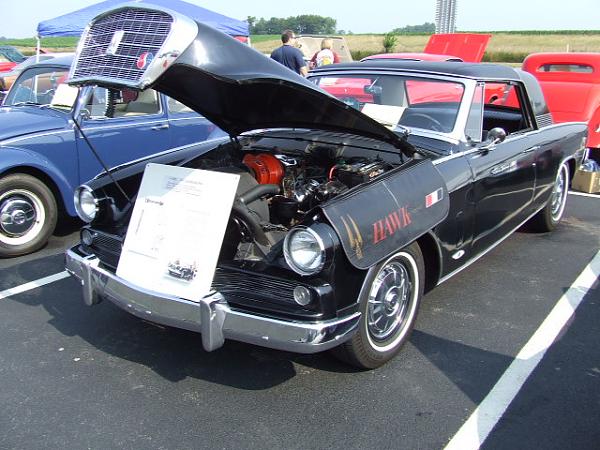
<point>531,149</point>
<point>162,126</point>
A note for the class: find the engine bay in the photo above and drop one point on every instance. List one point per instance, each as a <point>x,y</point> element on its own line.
<point>280,188</point>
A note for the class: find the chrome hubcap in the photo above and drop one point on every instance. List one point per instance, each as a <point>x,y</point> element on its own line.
<point>559,194</point>
<point>22,216</point>
<point>17,216</point>
<point>388,301</point>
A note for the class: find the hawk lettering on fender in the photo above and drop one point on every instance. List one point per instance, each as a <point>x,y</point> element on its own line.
<point>393,222</point>
<point>377,219</point>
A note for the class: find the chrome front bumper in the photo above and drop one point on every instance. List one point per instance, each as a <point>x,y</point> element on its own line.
<point>212,316</point>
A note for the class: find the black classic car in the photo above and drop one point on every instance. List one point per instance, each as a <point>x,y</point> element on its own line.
<point>347,209</point>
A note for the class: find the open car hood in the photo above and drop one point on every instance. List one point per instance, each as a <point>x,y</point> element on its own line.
<point>470,47</point>
<point>231,84</point>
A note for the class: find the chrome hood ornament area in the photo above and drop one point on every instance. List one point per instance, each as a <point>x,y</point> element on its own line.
<point>231,84</point>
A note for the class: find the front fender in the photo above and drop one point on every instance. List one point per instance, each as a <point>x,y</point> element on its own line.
<point>18,158</point>
<point>379,218</point>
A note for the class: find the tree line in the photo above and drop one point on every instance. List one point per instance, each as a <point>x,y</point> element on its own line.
<point>313,24</point>
<point>304,24</point>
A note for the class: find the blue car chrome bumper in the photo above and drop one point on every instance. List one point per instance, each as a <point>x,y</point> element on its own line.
<point>211,316</point>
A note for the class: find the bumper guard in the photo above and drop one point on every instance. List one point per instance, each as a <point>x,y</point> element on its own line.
<point>211,316</point>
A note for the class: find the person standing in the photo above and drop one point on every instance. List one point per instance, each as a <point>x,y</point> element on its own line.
<point>324,56</point>
<point>289,55</point>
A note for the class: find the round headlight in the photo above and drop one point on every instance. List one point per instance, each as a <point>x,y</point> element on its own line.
<point>86,204</point>
<point>304,251</point>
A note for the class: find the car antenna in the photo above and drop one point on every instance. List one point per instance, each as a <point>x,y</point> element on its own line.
<point>106,170</point>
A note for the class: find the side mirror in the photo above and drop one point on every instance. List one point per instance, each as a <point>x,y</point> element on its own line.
<point>84,114</point>
<point>495,136</point>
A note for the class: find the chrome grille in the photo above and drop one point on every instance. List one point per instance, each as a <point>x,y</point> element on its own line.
<point>544,120</point>
<point>107,247</point>
<point>107,242</point>
<point>143,32</point>
<point>232,282</point>
<point>228,281</point>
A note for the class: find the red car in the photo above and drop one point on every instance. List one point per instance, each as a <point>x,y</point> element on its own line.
<point>571,85</point>
<point>452,47</point>
<point>456,47</point>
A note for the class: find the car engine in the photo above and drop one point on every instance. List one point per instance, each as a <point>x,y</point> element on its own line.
<point>278,190</point>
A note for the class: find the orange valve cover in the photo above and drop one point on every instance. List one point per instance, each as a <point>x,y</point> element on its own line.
<point>267,169</point>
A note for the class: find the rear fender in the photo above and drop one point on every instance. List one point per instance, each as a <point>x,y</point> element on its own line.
<point>377,219</point>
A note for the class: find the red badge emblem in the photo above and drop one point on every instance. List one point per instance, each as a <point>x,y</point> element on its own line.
<point>144,60</point>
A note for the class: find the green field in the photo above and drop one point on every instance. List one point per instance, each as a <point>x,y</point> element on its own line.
<point>505,46</point>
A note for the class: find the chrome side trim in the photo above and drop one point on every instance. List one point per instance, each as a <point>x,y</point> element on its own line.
<point>31,136</point>
<point>164,152</point>
<point>211,316</point>
<point>499,241</point>
<point>119,125</point>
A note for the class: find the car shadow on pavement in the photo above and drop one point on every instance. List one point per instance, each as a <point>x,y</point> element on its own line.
<point>459,361</point>
<point>172,353</point>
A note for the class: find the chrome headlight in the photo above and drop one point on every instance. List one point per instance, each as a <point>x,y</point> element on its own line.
<point>86,204</point>
<point>304,251</point>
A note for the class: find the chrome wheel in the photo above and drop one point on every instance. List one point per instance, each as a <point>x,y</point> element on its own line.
<point>389,301</point>
<point>558,197</point>
<point>22,216</point>
<point>392,301</point>
<point>28,214</point>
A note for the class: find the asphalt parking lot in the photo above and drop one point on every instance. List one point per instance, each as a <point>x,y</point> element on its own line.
<point>99,378</point>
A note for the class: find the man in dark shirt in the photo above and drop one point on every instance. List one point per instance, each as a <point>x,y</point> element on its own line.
<point>288,55</point>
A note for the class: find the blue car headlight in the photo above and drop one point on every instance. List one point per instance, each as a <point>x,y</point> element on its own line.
<point>86,203</point>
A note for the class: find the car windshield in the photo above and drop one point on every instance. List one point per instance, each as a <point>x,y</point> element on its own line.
<point>12,54</point>
<point>413,102</point>
<point>43,86</point>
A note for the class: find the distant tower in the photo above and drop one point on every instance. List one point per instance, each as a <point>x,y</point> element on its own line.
<point>445,16</point>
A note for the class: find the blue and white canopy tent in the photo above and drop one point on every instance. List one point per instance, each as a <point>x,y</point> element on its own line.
<point>74,23</point>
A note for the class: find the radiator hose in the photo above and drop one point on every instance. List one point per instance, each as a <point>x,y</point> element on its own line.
<point>241,211</point>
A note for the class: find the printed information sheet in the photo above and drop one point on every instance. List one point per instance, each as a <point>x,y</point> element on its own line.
<point>176,230</point>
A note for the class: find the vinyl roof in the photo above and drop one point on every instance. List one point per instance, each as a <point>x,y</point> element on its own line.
<point>465,70</point>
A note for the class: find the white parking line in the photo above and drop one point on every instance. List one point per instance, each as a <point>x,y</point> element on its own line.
<point>33,284</point>
<point>584,194</point>
<point>477,427</point>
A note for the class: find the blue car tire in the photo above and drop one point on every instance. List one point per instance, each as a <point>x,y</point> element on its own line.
<point>28,214</point>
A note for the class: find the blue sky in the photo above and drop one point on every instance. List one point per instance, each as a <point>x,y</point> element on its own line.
<point>20,17</point>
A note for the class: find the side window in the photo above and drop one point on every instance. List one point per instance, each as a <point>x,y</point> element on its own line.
<point>98,103</point>
<point>112,103</point>
<point>37,86</point>
<point>581,68</point>
<point>474,128</point>
<point>176,107</point>
<point>503,108</point>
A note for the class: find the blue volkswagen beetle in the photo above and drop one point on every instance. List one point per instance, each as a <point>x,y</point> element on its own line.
<point>47,129</point>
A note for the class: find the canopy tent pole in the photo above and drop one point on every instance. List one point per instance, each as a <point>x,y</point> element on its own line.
<point>37,48</point>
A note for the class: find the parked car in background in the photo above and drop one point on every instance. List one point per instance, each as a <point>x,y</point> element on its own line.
<point>571,85</point>
<point>343,216</point>
<point>8,78</point>
<point>309,44</point>
<point>455,47</point>
<point>9,57</point>
<point>413,57</point>
<point>44,156</point>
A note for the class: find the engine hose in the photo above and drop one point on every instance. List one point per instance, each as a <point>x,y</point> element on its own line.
<point>241,211</point>
<point>257,192</point>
